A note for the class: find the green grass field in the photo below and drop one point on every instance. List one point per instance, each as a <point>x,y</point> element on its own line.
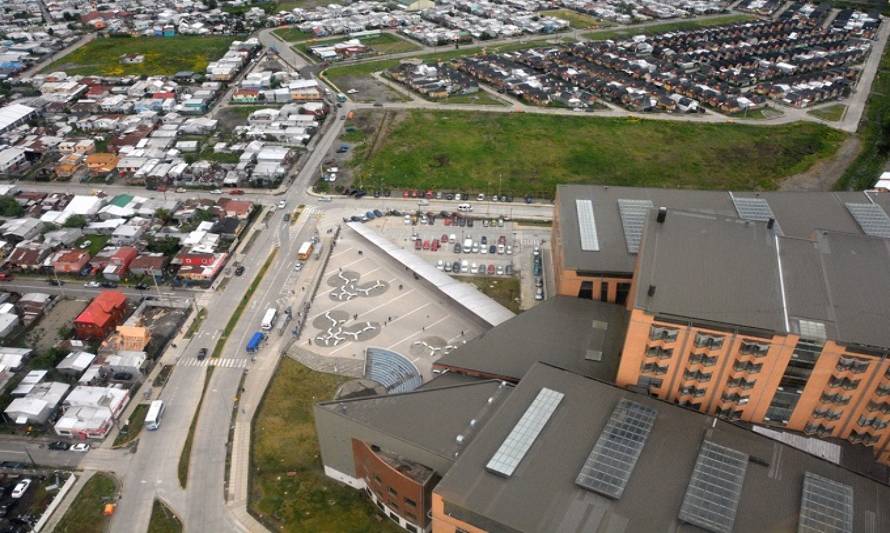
<point>833,112</point>
<point>532,153</point>
<point>578,21</point>
<point>384,43</point>
<point>289,491</point>
<point>85,514</point>
<point>505,291</point>
<point>163,55</point>
<point>478,98</point>
<point>679,25</point>
<point>293,35</point>
<point>163,520</point>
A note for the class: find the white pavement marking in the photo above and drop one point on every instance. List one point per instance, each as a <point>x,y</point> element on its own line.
<point>419,332</point>
<point>339,253</point>
<point>359,260</point>
<point>365,312</point>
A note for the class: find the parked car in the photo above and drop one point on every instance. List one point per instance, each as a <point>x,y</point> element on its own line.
<point>448,266</point>
<point>474,268</point>
<point>236,192</point>
<point>343,149</point>
<point>378,213</point>
<point>440,264</point>
<point>491,270</point>
<point>80,447</point>
<point>509,250</point>
<point>434,246</point>
<point>298,266</point>
<point>455,267</point>
<point>92,285</point>
<point>501,249</point>
<point>21,488</point>
<point>457,247</point>
<point>508,270</point>
<point>483,249</point>
<point>483,240</point>
<point>141,286</point>
<point>500,270</point>
<point>108,284</point>
<point>58,445</point>
<point>216,191</point>
<point>282,204</point>
<point>4,276</point>
<point>469,222</point>
<point>181,189</point>
<point>55,282</point>
<point>492,249</point>
<point>122,376</point>
<point>426,245</point>
<point>484,222</point>
<point>418,244</point>
<point>539,294</point>
<point>202,353</point>
<point>239,270</point>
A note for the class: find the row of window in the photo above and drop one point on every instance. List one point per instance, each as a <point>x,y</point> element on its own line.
<point>843,383</point>
<point>741,383</point>
<point>695,392</point>
<point>874,422</point>
<point>655,369</point>
<point>881,407</point>
<point>836,399</point>
<point>862,438</point>
<point>851,364</point>
<point>659,352</point>
<point>702,359</point>
<point>729,413</point>
<point>818,430</point>
<point>735,398</point>
<point>747,367</point>
<point>827,414</point>
<point>697,375</point>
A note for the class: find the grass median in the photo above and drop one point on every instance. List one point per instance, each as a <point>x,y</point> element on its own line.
<point>182,469</point>
<point>133,426</point>
<point>196,323</point>
<point>680,25</point>
<point>520,153</point>
<point>163,520</point>
<point>233,320</point>
<point>85,515</point>
<point>288,489</point>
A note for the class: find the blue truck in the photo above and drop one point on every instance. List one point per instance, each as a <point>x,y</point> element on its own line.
<point>254,343</point>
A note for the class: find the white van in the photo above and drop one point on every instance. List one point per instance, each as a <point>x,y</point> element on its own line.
<point>474,268</point>
<point>468,245</point>
<point>464,266</point>
<point>466,208</point>
<point>452,238</point>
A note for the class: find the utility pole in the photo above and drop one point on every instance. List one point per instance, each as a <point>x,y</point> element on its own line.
<point>59,284</point>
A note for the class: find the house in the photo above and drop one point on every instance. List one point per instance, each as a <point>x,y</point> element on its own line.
<point>236,208</point>
<point>12,159</point>
<point>71,261</point>
<point>149,264</point>
<point>101,163</point>
<point>127,362</point>
<point>200,266</point>
<point>75,363</point>
<point>32,305</point>
<point>101,316</point>
<point>90,412</point>
<point>21,229</point>
<point>8,323</point>
<point>12,358</point>
<point>37,406</point>
<point>69,166</point>
<point>119,263</point>
<point>128,339</point>
<point>27,256</point>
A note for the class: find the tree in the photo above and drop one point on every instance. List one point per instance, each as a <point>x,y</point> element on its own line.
<point>76,221</point>
<point>9,207</point>
<point>164,215</point>
<point>167,246</point>
<point>211,4</point>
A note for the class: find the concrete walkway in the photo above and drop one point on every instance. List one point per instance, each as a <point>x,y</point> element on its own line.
<point>69,499</point>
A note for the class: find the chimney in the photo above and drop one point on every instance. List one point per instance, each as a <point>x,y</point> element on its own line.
<point>770,223</point>
<point>662,214</point>
<point>651,291</point>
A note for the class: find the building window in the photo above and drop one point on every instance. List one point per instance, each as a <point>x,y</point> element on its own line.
<point>659,352</point>
<point>411,528</point>
<point>604,291</point>
<point>862,438</point>
<point>410,503</point>
<point>836,399</point>
<point>851,364</point>
<point>729,414</point>
<point>692,391</point>
<point>649,383</point>
<point>753,348</point>
<point>712,342</point>
<point>741,383</point>
<point>377,479</point>
<point>395,518</point>
<point>882,390</point>
<point>875,422</point>
<point>827,414</point>
<point>697,375</point>
<point>586,290</point>
<point>392,491</point>
<point>734,397</point>
<point>881,407</point>
<point>623,291</point>
<point>654,368</point>
<point>658,333</point>
<point>380,504</point>
<point>747,367</point>
<point>818,430</point>
<point>702,359</point>
<point>843,383</point>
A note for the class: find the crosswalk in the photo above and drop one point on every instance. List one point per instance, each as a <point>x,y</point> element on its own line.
<point>224,363</point>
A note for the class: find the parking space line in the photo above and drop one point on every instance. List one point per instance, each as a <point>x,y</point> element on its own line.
<point>341,252</point>
<point>359,260</point>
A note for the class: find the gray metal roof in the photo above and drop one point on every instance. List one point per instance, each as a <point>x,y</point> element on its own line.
<point>831,286</point>
<point>560,331</point>
<point>798,214</point>
<point>541,495</point>
<point>464,294</point>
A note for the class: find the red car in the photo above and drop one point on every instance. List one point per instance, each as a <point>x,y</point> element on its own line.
<point>5,277</point>
<point>426,245</point>
<point>429,195</point>
<point>417,244</point>
<point>447,221</point>
<point>406,194</point>
<point>444,238</point>
<point>490,270</point>
<point>236,192</point>
<point>434,246</point>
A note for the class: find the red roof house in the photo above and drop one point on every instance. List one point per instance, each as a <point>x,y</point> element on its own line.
<point>101,316</point>
<point>71,261</point>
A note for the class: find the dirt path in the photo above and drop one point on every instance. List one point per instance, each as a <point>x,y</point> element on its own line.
<point>823,175</point>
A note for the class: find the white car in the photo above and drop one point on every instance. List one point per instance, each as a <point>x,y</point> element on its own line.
<point>352,91</point>
<point>298,267</point>
<point>21,488</point>
<point>509,250</point>
<point>440,264</point>
<point>92,284</point>
<point>80,447</point>
<point>216,191</point>
<point>282,204</point>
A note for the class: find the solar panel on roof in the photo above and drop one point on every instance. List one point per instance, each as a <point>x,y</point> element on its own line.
<point>513,449</point>
<point>587,226</point>
<point>633,218</point>
<point>612,459</point>
<point>871,218</point>
<point>753,209</point>
<point>712,497</point>
<point>826,506</point>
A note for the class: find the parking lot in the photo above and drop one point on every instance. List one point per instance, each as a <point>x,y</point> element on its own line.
<point>367,299</point>
<point>19,514</point>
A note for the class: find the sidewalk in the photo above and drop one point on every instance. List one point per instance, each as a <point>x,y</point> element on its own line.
<point>60,511</point>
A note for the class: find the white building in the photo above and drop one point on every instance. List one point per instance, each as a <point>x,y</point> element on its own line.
<point>38,405</point>
<point>90,412</point>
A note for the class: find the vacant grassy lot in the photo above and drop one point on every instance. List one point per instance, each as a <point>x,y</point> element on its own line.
<point>833,112</point>
<point>532,153</point>
<point>293,35</point>
<point>163,520</point>
<point>478,98</point>
<point>504,291</point>
<point>134,425</point>
<point>680,25</point>
<point>85,514</point>
<point>163,55</point>
<point>289,491</point>
<point>384,43</point>
<point>576,20</point>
